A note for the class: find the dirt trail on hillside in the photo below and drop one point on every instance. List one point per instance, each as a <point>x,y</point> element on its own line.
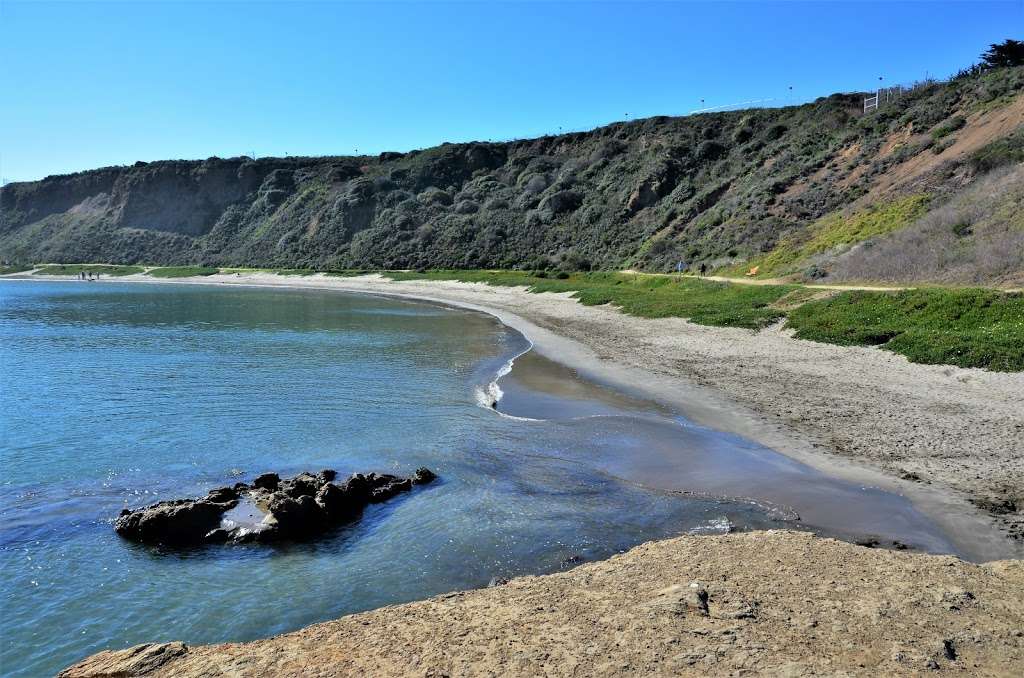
<point>764,603</point>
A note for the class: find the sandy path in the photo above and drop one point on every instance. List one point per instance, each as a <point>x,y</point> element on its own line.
<point>838,287</point>
<point>766,282</point>
<point>946,437</point>
<point>777,603</point>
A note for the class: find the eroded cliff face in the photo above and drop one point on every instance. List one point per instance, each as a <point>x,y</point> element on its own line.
<point>648,193</point>
<point>182,197</point>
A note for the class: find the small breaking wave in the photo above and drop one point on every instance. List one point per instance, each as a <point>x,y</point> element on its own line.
<point>720,525</point>
<point>490,395</point>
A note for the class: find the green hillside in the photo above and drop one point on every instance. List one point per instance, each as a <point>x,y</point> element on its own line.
<point>789,190</point>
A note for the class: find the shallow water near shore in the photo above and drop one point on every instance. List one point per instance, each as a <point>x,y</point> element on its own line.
<point>121,395</point>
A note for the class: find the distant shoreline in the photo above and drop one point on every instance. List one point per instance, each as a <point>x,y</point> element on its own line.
<point>588,340</point>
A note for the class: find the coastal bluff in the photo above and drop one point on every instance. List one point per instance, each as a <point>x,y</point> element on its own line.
<point>771,602</point>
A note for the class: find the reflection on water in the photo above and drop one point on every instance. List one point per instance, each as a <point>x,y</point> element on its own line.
<point>120,395</point>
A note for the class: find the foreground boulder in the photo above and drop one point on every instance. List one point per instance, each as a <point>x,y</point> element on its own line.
<point>270,509</point>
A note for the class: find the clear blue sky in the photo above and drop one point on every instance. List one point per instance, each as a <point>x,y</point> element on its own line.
<point>86,85</point>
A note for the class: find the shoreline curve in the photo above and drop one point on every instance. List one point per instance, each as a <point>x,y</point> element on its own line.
<point>970,529</point>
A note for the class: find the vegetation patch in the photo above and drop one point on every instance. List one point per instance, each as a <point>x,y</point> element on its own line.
<point>964,327</point>
<point>78,269</point>
<point>948,127</point>
<point>182,271</point>
<point>976,236</point>
<point>4,270</point>
<point>648,296</point>
<point>293,271</point>
<point>837,230</point>
<point>1006,151</point>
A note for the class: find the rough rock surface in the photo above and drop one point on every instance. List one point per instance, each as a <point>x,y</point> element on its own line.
<point>760,603</point>
<point>293,508</point>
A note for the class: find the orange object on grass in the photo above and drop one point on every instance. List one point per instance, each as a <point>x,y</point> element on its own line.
<point>753,271</point>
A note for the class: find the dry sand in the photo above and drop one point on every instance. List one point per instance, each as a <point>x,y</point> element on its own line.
<point>777,603</point>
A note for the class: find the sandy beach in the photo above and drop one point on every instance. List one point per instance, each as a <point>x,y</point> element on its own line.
<point>948,438</point>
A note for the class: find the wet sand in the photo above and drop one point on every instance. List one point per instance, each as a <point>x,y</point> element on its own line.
<point>659,449</point>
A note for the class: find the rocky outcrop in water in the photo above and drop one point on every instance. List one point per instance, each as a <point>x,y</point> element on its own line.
<point>270,509</point>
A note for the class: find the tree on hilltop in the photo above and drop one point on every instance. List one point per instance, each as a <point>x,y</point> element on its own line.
<point>998,55</point>
<point>1006,53</point>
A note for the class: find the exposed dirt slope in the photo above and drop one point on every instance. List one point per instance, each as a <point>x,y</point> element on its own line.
<point>770,603</point>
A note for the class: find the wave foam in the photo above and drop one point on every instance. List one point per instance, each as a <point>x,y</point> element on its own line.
<point>490,395</point>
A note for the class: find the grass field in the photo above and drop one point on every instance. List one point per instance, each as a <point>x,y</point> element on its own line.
<point>182,271</point>
<point>76,269</point>
<point>703,302</point>
<point>963,327</point>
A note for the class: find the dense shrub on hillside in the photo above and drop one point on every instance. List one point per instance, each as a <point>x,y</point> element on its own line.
<point>717,188</point>
<point>1006,151</point>
<point>948,127</point>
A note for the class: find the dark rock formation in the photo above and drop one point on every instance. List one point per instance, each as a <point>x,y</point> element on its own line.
<point>180,521</point>
<point>295,508</point>
<point>267,481</point>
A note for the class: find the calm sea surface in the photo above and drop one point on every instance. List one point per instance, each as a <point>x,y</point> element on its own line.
<point>115,395</point>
